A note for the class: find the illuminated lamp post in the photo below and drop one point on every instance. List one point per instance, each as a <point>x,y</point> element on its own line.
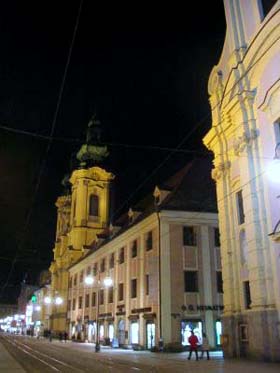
<point>107,282</point>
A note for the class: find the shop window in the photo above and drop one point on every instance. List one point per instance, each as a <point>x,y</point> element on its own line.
<point>134,333</point>
<point>74,304</point>
<point>110,294</point>
<point>93,300</point>
<point>93,205</point>
<point>121,256</point>
<point>80,302</point>
<point>101,296</point>
<point>103,265</point>
<point>120,292</point>
<point>240,207</point>
<point>189,236</point>
<point>217,237</point>
<point>219,282</point>
<point>247,294</point>
<point>112,261</point>
<point>149,241</point>
<point>134,288</point>
<point>147,284</point>
<point>218,329</point>
<point>134,249</point>
<point>187,326</point>
<point>191,281</point>
<point>87,300</point>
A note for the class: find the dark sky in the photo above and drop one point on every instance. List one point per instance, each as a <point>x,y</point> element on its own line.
<point>145,70</point>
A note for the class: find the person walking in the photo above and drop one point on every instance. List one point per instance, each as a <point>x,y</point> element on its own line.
<point>193,341</point>
<point>65,335</point>
<point>205,346</point>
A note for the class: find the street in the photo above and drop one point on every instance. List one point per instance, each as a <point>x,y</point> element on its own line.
<point>43,356</point>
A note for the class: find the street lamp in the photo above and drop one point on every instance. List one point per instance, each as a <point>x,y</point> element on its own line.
<point>107,282</point>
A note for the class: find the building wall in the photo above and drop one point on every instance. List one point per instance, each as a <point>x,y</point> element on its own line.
<point>178,305</point>
<point>173,258</point>
<point>243,89</point>
<point>141,309</point>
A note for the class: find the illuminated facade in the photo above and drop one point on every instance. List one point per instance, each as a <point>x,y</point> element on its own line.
<point>81,213</point>
<point>244,94</point>
<point>164,260</point>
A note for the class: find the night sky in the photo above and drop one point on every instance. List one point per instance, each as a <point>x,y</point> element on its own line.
<point>144,70</point>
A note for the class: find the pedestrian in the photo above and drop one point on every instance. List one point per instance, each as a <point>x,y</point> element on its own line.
<point>60,336</point>
<point>193,341</point>
<point>50,335</point>
<point>65,336</point>
<point>205,346</point>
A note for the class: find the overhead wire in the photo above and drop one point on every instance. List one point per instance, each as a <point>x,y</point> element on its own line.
<point>49,144</point>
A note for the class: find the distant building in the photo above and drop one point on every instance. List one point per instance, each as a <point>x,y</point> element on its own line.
<point>244,91</point>
<point>8,310</point>
<point>26,292</point>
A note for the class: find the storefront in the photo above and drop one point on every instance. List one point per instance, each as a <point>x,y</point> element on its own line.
<point>190,325</point>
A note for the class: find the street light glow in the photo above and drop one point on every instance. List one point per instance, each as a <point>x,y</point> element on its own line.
<point>273,171</point>
<point>89,280</point>
<point>58,300</point>
<point>108,281</point>
<point>48,300</point>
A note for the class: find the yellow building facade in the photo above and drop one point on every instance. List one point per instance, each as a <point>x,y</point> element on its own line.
<point>244,96</point>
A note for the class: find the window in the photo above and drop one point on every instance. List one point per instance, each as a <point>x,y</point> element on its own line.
<point>103,265</point>
<point>134,249</point>
<point>94,269</point>
<point>110,295</point>
<point>93,300</point>
<point>217,237</point>
<point>80,302</point>
<point>121,256</point>
<point>101,296</point>
<point>88,271</point>
<point>82,276</point>
<point>69,305</point>
<point>87,300</point>
<point>191,281</point>
<point>70,282</point>
<point>149,241</point>
<point>134,288</point>
<point>93,205</point>
<point>74,305</point>
<point>147,284</point>
<point>240,208</point>
<point>219,282</point>
<point>247,294</point>
<point>120,292</point>
<point>112,261</point>
<point>75,279</point>
<point>189,236</point>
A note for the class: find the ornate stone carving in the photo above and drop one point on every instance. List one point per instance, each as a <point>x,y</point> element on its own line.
<point>220,170</point>
<point>244,141</point>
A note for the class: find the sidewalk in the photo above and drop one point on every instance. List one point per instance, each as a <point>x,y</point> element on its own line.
<point>8,363</point>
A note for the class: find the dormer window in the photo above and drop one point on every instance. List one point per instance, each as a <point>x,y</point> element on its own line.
<point>93,205</point>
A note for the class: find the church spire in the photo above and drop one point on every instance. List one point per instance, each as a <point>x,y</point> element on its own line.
<point>92,152</point>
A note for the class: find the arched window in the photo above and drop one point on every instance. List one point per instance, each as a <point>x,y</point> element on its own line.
<point>93,205</point>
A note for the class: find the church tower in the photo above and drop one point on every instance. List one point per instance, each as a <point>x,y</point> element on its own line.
<point>82,213</point>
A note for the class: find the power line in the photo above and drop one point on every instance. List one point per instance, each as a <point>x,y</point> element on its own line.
<point>44,161</point>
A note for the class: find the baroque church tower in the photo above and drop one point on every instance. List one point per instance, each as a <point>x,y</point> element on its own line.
<point>82,213</point>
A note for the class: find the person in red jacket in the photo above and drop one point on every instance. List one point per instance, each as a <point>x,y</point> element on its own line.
<point>193,341</point>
